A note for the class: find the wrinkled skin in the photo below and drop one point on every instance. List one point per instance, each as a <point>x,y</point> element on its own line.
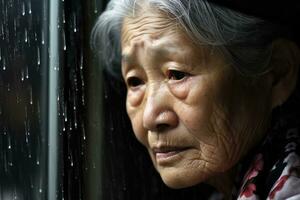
<point>188,106</point>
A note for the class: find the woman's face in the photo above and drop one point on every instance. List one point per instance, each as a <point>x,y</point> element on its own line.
<point>187,106</point>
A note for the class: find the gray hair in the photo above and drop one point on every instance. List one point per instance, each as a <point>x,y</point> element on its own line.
<point>245,41</point>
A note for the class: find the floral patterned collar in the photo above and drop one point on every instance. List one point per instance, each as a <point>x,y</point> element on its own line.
<point>274,173</point>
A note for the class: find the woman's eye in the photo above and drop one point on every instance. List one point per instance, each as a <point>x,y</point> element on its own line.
<point>134,82</point>
<point>176,75</point>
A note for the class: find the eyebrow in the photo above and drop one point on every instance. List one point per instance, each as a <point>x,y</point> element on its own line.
<point>125,57</point>
<point>162,50</point>
<point>128,60</point>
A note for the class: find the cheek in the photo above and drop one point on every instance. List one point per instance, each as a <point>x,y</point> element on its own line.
<point>208,121</point>
<point>135,98</point>
<point>195,112</point>
<point>135,116</point>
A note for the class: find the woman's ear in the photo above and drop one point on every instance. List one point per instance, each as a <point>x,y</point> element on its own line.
<point>285,63</point>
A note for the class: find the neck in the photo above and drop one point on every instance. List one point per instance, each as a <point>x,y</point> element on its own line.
<point>224,182</point>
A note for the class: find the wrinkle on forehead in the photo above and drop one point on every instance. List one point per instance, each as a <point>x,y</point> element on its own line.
<point>149,23</point>
<point>161,39</point>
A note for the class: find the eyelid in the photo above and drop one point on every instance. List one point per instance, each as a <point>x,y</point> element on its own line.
<point>134,82</point>
<point>177,75</point>
<point>134,77</point>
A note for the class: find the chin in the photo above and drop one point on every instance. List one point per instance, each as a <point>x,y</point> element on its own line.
<point>177,179</point>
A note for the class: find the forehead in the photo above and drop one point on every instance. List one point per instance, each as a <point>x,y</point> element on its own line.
<point>162,38</point>
<point>148,23</point>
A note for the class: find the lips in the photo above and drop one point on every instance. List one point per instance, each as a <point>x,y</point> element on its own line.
<point>167,153</point>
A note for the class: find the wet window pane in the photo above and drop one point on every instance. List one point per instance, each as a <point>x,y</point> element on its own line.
<point>45,127</point>
<point>23,76</point>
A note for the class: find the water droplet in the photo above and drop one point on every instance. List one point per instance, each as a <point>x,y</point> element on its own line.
<point>71,160</point>
<point>22,75</point>
<point>29,7</point>
<point>81,62</point>
<point>26,36</point>
<point>38,56</point>
<point>40,190</point>
<point>74,23</point>
<point>64,40</point>
<point>30,93</point>
<point>27,74</point>
<point>23,9</point>
<point>75,122</point>
<point>63,16</point>
<point>43,38</point>
<point>4,64</point>
<point>65,112</point>
<point>8,143</point>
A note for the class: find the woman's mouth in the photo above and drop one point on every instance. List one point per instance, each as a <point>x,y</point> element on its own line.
<point>164,155</point>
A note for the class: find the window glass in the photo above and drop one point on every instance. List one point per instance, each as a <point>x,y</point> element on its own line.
<point>48,133</point>
<point>23,83</point>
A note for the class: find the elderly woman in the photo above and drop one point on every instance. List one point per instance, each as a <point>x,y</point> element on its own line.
<point>203,82</point>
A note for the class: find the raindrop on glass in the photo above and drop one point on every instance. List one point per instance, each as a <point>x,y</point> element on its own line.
<point>64,40</point>
<point>38,56</point>
<point>29,7</point>
<point>22,75</point>
<point>75,121</point>
<point>95,7</point>
<point>23,9</point>
<point>35,36</point>
<point>30,93</point>
<point>4,65</point>
<point>63,16</point>
<point>43,38</point>
<point>74,23</point>
<point>65,113</point>
<point>83,130</point>
<point>71,160</point>
<point>26,74</point>
<point>26,36</point>
<point>81,61</point>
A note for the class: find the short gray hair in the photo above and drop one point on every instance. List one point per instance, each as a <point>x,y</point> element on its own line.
<point>244,40</point>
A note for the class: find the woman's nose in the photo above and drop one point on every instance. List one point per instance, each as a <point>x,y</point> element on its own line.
<point>159,114</point>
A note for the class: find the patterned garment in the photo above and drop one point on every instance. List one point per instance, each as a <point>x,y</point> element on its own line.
<point>275,171</point>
